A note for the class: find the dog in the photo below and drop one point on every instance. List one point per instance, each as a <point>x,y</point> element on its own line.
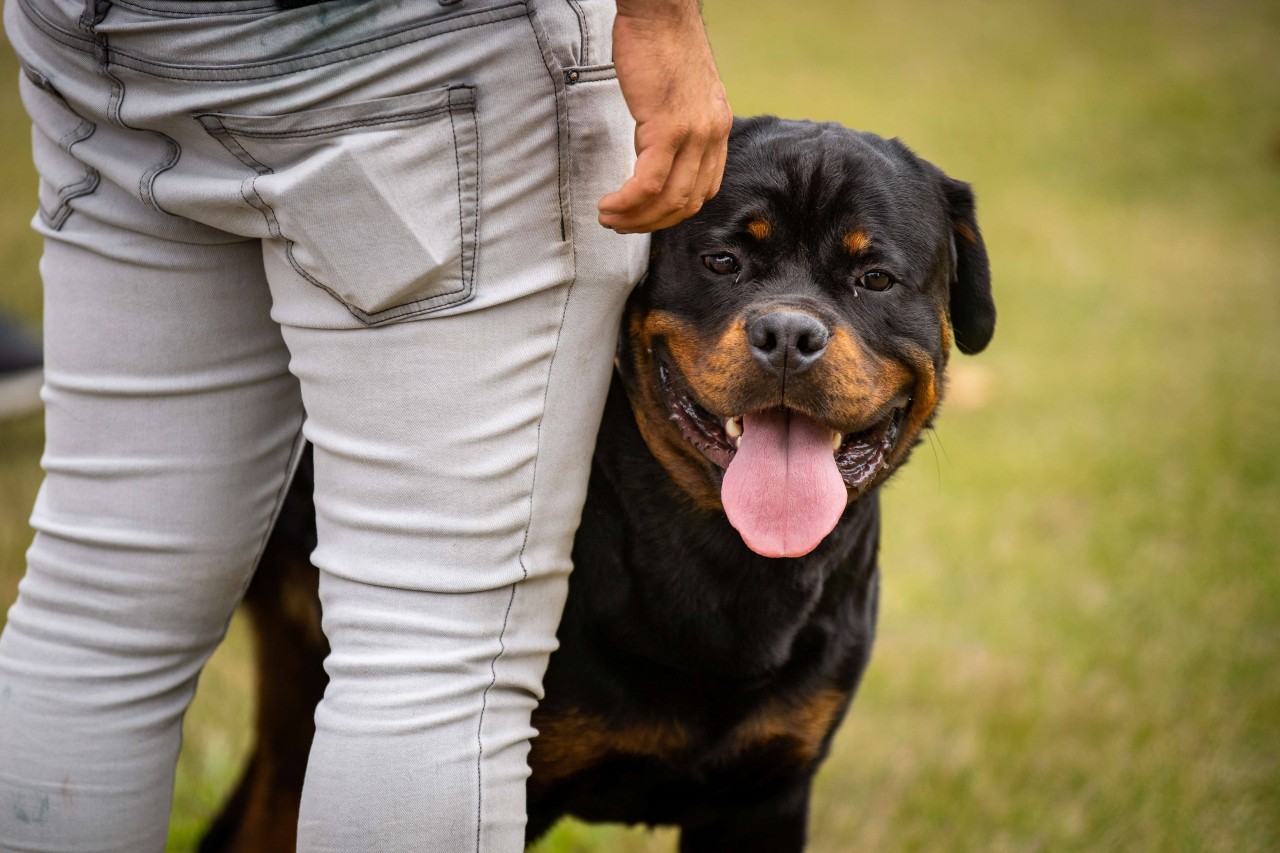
<point>777,364</point>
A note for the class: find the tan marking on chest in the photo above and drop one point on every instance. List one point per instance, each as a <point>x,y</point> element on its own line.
<point>569,743</point>
<point>803,725</point>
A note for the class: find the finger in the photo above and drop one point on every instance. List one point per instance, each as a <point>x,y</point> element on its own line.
<point>652,169</point>
<point>717,170</point>
<point>675,196</point>
<point>695,199</point>
<point>698,196</point>
<point>708,179</point>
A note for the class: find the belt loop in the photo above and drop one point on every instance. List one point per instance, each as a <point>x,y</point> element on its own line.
<point>94,12</point>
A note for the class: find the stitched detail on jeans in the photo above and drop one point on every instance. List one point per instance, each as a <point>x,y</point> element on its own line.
<point>464,98</point>
<point>469,261</point>
<point>584,43</point>
<point>316,59</point>
<point>323,130</point>
<point>58,217</point>
<point>79,133</point>
<point>462,225</point>
<point>524,543</point>
<point>66,37</point>
<point>214,126</point>
<point>163,12</point>
<point>82,130</point>
<point>249,192</point>
<point>484,703</point>
<point>458,98</point>
<point>249,186</point>
<point>562,120</point>
<point>470,271</point>
<point>146,183</point>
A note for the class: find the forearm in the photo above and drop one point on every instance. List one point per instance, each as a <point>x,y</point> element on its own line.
<point>674,93</point>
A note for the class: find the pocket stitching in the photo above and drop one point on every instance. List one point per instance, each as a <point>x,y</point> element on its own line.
<point>458,97</point>
<point>467,271</point>
<point>321,130</point>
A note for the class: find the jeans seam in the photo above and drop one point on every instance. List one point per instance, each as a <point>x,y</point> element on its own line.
<point>562,121</point>
<point>584,42</point>
<point>479,205</point>
<point>173,13</point>
<point>84,129</point>
<point>351,124</point>
<point>493,679</point>
<point>56,218</point>
<point>524,544</point>
<point>63,211</point>
<point>277,68</point>
<point>102,53</point>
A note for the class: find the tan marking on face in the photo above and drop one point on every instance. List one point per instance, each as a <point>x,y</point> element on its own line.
<point>574,741</point>
<point>848,387</point>
<point>850,384</point>
<point>803,725</point>
<point>948,337</point>
<point>856,241</point>
<point>716,369</point>
<point>759,228</point>
<point>691,471</point>
<point>924,399</point>
<point>966,233</point>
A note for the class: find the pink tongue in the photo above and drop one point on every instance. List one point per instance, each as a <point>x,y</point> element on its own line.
<point>782,490</point>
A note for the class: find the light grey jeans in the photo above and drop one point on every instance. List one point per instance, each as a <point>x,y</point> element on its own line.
<point>371,224</point>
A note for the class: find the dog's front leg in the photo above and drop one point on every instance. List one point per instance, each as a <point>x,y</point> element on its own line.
<point>775,823</point>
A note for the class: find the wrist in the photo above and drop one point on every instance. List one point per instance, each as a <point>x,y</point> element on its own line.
<point>660,10</point>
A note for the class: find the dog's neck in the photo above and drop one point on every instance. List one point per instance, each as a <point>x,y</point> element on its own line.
<point>678,583</point>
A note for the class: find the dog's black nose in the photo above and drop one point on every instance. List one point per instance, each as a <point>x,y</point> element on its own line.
<point>787,341</point>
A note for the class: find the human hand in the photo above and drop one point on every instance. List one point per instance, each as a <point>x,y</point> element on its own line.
<point>669,80</point>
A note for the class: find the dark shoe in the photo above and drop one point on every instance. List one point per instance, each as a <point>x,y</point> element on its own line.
<point>21,371</point>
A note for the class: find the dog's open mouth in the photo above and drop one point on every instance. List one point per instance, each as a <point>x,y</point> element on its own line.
<point>787,477</point>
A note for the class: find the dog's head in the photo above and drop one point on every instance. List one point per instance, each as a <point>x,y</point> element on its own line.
<point>788,345</point>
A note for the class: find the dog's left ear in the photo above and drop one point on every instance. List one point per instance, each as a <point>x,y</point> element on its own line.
<point>973,311</point>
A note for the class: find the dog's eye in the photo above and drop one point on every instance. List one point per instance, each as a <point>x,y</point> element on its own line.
<point>721,263</point>
<point>875,280</point>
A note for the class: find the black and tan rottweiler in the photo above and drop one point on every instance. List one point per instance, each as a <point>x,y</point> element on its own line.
<point>777,364</point>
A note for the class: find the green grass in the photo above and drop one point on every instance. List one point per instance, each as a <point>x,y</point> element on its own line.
<point>1080,645</point>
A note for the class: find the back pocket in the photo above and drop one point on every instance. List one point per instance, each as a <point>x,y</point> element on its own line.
<point>377,202</point>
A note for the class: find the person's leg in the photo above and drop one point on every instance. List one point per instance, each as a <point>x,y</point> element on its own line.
<point>425,179</point>
<point>172,423</point>
<point>452,456</point>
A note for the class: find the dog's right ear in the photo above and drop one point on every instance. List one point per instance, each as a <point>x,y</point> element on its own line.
<point>973,310</point>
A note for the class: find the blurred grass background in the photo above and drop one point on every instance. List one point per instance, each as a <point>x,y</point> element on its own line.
<point>1080,641</point>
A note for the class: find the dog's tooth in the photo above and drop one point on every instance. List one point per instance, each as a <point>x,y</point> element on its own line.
<point>836,440</point>
<point>733,427</point>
